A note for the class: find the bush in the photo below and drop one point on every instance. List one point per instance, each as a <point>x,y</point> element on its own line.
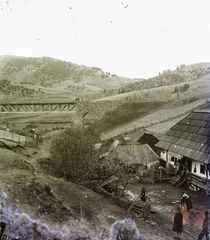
<point>74,155</point>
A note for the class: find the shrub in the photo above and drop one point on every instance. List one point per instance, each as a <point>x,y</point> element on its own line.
<point>74,155</point>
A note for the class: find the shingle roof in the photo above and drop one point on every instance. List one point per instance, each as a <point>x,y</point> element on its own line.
<point>190,137</point>
<point>136,154</point>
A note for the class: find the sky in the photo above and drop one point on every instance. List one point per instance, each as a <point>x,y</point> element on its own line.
<point>130,38</point>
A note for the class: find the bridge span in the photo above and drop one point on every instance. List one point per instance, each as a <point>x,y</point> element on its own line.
<point>37,107</point>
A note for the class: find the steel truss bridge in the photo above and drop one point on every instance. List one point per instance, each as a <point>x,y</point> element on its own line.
<point>36,107</point>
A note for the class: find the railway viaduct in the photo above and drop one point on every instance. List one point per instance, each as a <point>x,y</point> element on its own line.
<point>81,108</point>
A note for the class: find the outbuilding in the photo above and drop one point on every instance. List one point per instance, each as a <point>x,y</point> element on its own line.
<point>136,157</point>
<point>151,140</point>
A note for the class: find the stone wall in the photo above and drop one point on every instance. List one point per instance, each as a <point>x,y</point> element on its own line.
<point>97,109</point>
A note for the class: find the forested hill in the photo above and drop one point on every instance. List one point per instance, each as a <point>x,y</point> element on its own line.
<point>49,78</point>
<point>183,73</point>
<point>48,72</point>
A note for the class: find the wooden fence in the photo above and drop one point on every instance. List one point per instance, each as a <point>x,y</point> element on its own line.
<point>20,139</point>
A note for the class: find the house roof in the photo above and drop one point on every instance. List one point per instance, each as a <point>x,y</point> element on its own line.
<point>136,154</point>
<point>148,138</point>
<point>190,137</point>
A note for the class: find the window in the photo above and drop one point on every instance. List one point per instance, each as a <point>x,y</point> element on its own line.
<point>202,169</point>
<point>195,170</point>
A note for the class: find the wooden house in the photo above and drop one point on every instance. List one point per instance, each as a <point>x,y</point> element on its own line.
<point>188,143</point>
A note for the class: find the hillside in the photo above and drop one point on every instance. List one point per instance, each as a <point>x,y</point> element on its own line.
<point>156,121</point>
<point>126,113</point>
<point>182,74</point>
<point>169,104</point>
<point>196,89</point>
<point>52,79</point>
<point>53,76</point>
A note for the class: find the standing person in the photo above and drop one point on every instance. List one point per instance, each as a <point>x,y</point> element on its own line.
<point>178,223</point>
<point>143,194</point>
<point>188,203</point>
<point>205,227</point>
<point>186,199</point>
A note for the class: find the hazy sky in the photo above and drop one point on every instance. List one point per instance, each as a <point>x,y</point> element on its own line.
<point>133,38</point>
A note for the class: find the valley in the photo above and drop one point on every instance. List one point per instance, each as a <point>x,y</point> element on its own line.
<point>112,107</point>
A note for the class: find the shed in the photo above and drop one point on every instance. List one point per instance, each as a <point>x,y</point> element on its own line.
<point>136,154</point>
<point>151,140</point>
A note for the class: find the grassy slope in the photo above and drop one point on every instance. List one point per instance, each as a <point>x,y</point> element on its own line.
<point>198,89</point>
<point>136,114</point>
<point>55,76</point>
<point>125,113</point>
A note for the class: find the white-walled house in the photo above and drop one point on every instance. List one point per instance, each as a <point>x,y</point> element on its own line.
<point>169,157</point>
<point>188,142</point>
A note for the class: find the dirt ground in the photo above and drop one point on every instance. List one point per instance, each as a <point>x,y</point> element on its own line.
<point>164,198</point>
<point>77,211</point>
